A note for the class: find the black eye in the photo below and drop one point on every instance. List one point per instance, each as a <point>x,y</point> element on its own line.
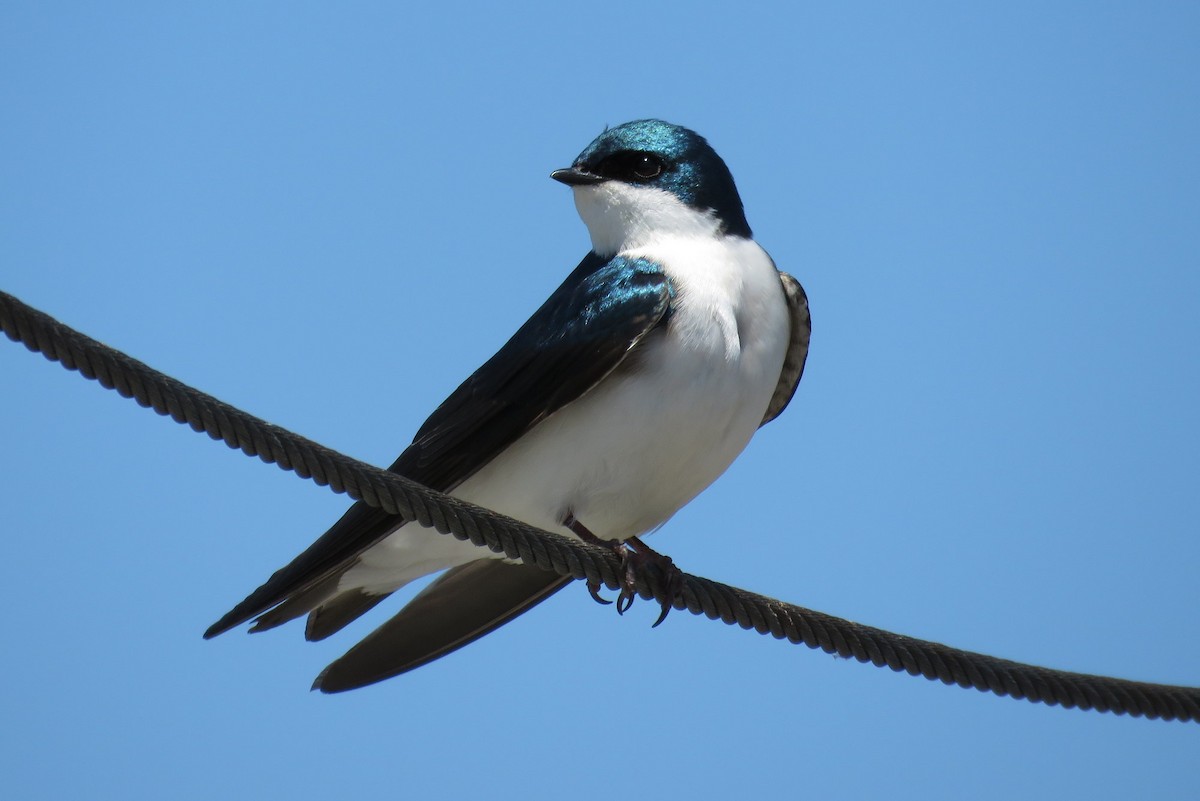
<point>633,166</point>
<point>647,166</point>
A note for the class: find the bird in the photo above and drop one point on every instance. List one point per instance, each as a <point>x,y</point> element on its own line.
<point>627,393</point>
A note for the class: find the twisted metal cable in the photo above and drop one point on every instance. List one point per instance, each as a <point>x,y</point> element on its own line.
<point>398,495</point>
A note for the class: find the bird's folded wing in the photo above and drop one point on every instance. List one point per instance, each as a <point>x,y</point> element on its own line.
<point>797,352</point>
<point>580,334</point>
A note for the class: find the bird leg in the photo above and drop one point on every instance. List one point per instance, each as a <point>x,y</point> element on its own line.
<point>635,555</point>
<point>587,536</point>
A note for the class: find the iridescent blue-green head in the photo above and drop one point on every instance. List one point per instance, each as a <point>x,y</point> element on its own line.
<point>650,178</point>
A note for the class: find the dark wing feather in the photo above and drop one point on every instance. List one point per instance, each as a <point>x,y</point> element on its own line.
<point>797,352</point>
<point>464,604</point>
<point>339,611</point>
<point>579,335</point>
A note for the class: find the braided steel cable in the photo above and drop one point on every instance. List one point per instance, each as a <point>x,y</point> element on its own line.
<point>398,495</point>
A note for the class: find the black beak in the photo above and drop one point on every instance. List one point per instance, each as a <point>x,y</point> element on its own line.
<point>573,176</point>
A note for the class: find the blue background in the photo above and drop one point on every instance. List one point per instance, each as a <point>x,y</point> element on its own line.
<point>330,215</point>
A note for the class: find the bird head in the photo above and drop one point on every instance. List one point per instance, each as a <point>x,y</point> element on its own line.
<point>648,179</point>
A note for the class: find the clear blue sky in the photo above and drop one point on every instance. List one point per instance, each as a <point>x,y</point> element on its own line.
<point>330,215</point>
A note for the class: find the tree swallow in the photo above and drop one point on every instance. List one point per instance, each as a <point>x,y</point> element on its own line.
<point>633,387</point>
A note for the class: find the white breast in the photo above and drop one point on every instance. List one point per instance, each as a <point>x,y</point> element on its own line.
<point>637,447</point>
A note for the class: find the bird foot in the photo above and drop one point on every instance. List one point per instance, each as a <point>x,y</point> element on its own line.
<point>641,557</point>
<point>635,557</point>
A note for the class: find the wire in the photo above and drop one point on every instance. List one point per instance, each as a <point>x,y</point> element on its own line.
<point>398,495</point>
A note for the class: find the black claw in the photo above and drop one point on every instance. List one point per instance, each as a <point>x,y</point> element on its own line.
<point>594,589</point>
<point>675,586</point>
<point>625,600</point>
<point>628,579</point>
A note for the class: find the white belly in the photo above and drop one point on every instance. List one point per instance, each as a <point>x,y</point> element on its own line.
<point>641,444</point>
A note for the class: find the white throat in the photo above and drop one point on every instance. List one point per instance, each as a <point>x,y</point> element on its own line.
<point>623,217</point>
